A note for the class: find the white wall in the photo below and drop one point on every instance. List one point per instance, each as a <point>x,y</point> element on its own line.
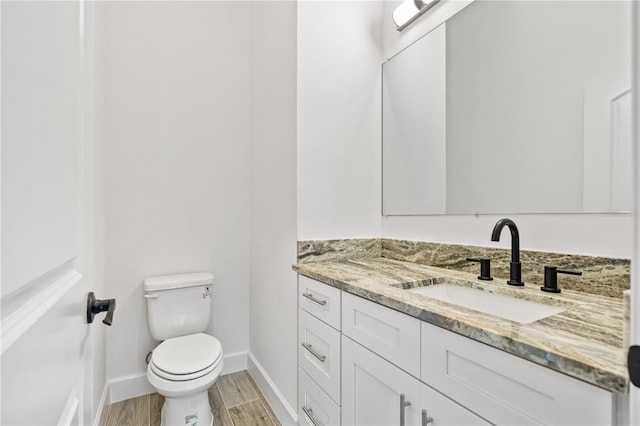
<point>273,288</point>
<point>587,234</point>
<point>339,108</point>
<point>200,173</point>
<point>176,163</point>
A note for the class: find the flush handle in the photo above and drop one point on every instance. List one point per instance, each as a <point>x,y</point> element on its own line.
<point>95,306</point>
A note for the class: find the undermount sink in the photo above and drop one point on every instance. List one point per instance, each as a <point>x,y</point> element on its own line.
<point>501,305</point>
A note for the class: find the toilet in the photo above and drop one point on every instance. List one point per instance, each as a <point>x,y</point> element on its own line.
<point>187,363</point>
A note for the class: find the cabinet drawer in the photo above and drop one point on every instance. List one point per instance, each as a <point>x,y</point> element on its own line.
<point>314,406</point>
<point>319,353</point>
<point>320,300</point>
<point>390,334</point>
<point>444,411</point>
<point>505,389</point>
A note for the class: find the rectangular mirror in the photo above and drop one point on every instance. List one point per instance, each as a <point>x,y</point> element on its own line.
<point>512,107</point>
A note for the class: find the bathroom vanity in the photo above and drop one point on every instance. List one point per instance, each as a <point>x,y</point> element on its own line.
<point>374,350</point>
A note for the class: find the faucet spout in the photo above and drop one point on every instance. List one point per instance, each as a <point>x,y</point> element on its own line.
<point>515,271</point>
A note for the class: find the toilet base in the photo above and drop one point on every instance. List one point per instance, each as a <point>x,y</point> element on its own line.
<point>192,410</point>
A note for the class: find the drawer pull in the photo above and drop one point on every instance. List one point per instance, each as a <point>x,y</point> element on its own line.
<point>308,347</point>
<point>313,299</point>
<point>403,404</point>
<point>309,413</point>
<point>425,418</point>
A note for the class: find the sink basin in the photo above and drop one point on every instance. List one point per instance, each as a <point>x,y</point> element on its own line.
<point>508,307</point>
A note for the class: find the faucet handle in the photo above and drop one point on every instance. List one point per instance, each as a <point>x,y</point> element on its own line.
<point>551,278</point>
<point>485,267</point>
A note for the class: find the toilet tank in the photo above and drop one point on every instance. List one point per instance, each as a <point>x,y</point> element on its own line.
<point>178,305</point>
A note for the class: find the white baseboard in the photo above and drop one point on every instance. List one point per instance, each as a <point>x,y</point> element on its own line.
<point>286,414</point>
<point>127,387</point>
<point>233,362</point>
<point>135,385</point>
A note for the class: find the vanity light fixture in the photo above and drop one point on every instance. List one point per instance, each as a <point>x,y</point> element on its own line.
<point>409,11</point>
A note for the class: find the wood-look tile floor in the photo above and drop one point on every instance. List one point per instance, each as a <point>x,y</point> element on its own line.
<point>235,400</point>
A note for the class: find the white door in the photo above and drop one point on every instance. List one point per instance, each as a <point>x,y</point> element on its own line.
<point>47,358</point>
<point>634,412</point>
<point>372,389</point>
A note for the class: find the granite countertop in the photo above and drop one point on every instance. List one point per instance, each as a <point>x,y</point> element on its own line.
<point>584,341</point>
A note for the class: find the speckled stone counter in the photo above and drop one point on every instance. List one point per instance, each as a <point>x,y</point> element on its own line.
<point>600,275</point>
<point>584,341</point>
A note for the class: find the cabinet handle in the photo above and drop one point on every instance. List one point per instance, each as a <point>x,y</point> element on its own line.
<point>425,418</point>
<point>309,413</point>
<point>308,347</point>
<point>403,403</point>
<point>313,299</point>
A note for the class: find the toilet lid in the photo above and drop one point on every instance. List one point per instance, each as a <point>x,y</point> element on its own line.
<point>187,354</point>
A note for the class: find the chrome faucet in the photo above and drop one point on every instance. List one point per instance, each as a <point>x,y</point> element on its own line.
<point>515,270</point>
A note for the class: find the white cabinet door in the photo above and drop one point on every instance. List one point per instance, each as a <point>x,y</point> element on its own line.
<point>444,411</point>
<point>372,389</point>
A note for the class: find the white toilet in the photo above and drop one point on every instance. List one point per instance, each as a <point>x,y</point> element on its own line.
<point>187,362</point>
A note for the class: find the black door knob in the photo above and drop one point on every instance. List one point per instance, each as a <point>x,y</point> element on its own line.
<point>95,306</point>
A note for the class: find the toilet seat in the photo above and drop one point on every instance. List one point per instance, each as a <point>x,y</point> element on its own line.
<point>186,357</point>
<point>181,377</point>
<point>184,388</point>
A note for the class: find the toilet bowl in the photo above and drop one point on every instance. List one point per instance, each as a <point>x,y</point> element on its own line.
<point>183,364</point>
<point>182,369</point>
<point>187,363</point>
